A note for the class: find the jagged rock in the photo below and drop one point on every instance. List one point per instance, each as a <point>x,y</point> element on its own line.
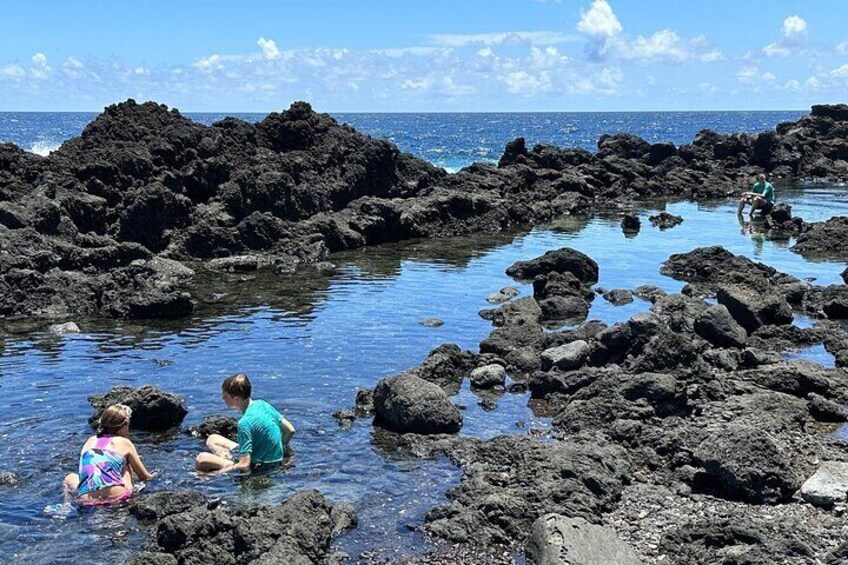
<point>564,260</point>
<point>747,464</point>
<point>557,540</point>
<point>407,403</point>
<point>566,357</point>
<point>152,409</point>
<point>222,425</point>
<point>618,296</point>
<point>826,410</point>
<point>649,292</point>
<point>828,485</point>
<point>755,306</point>
<point>8,478</point>
<point>828,238</point>
<point>517,312</point>
<point>630,222</point>
<point>717,326</point>
<point>665,221</point>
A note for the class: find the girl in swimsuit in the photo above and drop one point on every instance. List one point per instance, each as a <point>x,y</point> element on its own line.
<point>107,461</point>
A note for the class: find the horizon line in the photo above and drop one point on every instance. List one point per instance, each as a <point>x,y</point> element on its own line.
<point>436,112</point>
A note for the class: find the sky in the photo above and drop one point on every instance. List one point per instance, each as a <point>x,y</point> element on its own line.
<point>424,56</point>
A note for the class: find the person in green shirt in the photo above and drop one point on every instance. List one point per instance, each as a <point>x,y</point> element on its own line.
<point>263,433</point>
<point>760,197</point>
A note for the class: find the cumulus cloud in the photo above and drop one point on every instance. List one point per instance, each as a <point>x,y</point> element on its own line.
<point>794,32</point>
<point>210,63</point>
<point>269,48</point>
<point>607,40</point>
<point>501,38</point>
<point>40,69</point>
<point>599,22</point>
<point>794,26</point>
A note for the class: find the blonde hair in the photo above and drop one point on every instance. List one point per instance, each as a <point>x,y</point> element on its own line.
<point>113,419</point>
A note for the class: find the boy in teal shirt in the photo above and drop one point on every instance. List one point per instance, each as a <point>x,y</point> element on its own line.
<point>761,197</point>
<point>263,433</point>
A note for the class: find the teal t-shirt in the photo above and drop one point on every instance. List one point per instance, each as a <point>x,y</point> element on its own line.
<point>766,189</point>
<point>259,433</point>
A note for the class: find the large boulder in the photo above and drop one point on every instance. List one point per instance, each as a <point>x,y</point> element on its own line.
<point>297,531</point>
<point>717,326</point>
<point>409,404</point>
<point>153,409</point>
<point>746,463</point>
<point>755,305</point>
<point>828,485</point>
<point>558,540</point>
<point>829,238</point>
<point>564,260</point>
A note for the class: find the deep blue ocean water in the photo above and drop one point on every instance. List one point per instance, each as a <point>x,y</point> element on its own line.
<point>308,344</point>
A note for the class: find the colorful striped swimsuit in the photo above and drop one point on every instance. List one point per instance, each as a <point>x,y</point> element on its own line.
<point>100,468</point>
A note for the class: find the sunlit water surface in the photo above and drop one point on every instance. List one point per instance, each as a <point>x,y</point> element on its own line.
<point>308,346</point>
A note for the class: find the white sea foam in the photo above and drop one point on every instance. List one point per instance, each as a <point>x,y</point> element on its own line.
<point>44,147</point>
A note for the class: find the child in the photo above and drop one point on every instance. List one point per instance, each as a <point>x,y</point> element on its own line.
<point>107,461</point>
<point>263,434</point>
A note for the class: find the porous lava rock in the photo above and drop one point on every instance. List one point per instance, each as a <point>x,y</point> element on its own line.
<point>153,409</point>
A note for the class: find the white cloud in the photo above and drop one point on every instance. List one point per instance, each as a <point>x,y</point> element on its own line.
<point>794,32</point>
<point>843,47</point>
<point>794,26</point>
<point>502,38</point>
<point>40,60</point>
<point>791,84</point>
<point>777,49</point>
<point>768,76</point>
<point>663,44</point>
<point>210,63</point>
<point>72,67</point>
<point>840,72</point>
<point>599,22</point>
<point>522,82</point>
<point>269,48</point>
<point>712,56</point>
<point>15,72</point>
<point>748,75</point>
<point>141,71</point>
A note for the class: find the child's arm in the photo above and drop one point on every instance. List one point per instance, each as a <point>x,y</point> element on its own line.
<point>136,465</point>
<point>287,429</point>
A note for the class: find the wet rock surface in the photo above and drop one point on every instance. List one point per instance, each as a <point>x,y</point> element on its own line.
<point>190,530</point>
<point>665,221</point>
<point>153,409</point>
<point>226,426</point>
<point>685,436</point>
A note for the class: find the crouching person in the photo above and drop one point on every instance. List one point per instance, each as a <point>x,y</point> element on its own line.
<point>263,433</point>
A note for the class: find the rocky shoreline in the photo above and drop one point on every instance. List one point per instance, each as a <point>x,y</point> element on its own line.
<point>682,434</point>
<point>102,226</point>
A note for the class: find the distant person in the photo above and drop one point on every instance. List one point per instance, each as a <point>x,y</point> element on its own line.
<point>107,462</point>
<point>263,433</point>
<point>761,197</point>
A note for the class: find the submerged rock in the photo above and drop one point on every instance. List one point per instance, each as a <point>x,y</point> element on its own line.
<point>407,403</point>
<point>631,222</point>
<point>665,221</point>
<point>8,478</point>
<point>557,540</point>
<point>505,294</point>
<point>432,322</point>
<point>153,409</point>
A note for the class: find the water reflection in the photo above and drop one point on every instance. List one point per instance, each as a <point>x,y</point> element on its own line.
<point>309,340</point>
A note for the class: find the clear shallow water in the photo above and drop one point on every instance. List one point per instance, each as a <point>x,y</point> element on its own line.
<point>308,342</point>
<point>450,140</point>
<point>307,351</point>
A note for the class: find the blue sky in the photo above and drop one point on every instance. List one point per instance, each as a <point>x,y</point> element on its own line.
<point>438,55</point>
